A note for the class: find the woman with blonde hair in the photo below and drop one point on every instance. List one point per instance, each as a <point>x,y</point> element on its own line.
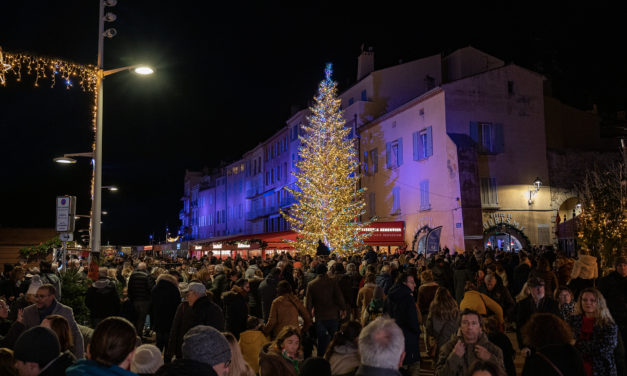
<point>238,366</point>
<point>596,333</point>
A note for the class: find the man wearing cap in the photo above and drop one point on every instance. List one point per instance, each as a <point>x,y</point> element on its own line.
<point>37,352</point>
<point>536,302</point>
<point>614,288</point>
<point>205,352</point>
<point>326,302</point>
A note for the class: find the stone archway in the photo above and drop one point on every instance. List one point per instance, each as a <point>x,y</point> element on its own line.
<point>499,230</point>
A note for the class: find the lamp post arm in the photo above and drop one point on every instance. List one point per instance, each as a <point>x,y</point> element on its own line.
<point>109,72</point>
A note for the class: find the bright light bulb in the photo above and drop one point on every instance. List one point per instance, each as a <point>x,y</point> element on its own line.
<point>144,70</point>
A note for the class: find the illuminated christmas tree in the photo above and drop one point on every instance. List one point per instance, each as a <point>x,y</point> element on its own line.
<point>328,200</point>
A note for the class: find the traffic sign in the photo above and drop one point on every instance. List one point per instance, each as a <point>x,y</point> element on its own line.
<point>66,210</point>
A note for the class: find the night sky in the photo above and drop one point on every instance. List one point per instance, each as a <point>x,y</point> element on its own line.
<point>226,80</point>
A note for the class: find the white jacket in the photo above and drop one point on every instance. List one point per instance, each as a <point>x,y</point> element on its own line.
<point>585,267</point>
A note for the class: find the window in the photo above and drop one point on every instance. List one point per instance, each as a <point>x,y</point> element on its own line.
<point>272,176</point>
<point>424,195</point>
<point>371,162</point>
<point>488,136</point>
<point>285,169</point>
<point>278,173</point>
<point>351,101</point>
<point>510,87</point>
<point>396,200</point>
<point>488,192</point>
<point>423,144</point>
<point>293,160</point>
<point>372,204</point>
<point>364,96</point>
<point>267,177</point>
<point>394,153</point>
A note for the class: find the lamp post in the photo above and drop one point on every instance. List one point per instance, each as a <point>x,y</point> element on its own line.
<point>101,74</point>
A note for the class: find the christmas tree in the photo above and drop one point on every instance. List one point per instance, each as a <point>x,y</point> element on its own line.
<point>328,200</point>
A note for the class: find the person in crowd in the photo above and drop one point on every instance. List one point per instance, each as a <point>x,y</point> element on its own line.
<point>614,289</point>
<point>426,291</point>
<point>485,368</point>
<point>267,291</point>
<point>102,298</point>
<point>401,306</point>
<point>470,345</point>
<point>500,294</point>
<point>342,353</point>
<point>550,338</point>
<point>461,275</point>
<point>285,310</point>
<point>219,285</point>
<point>254,300</point>
<point>299,278</point>
<point>110,351</point>
<point>500,271</point>
<point>382,348</point>
<point>442,273</point>
<point>315,366</point>
<point>443,319</point>
<point>238,366</point>
<point>37,352</point>
<point>166,297</point>
<point>585,272</point>
<point>251,341</point>
<point>384,279</point>
<point>236,307</point>
<point>49,276</point>
<point>7,362</point>
<point>565,301</point>
<point>596,333</point>
<point>140,285</point>
<point>500,339</point>
<point>326,301</point>
<point>355,278</point>
<point>481,303</point>
<point>5,323</point>
<point>544,272</point>
<point>536,301</point>
<point>146,360</point>
<point>283,356</point>
<point>59,325</point>
<point>204,310</point>
<point>205,352</point>
<point>252,269</point>
<point>47,304</point>
<point>25,300</point>
<point>365,294</point>
<point>521,274</point>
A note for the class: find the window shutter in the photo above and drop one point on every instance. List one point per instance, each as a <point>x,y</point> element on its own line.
<point>374,154</point>
<point>400,151</point>
<point>388,155</point>
<point>474,131</point>
<point>366,163</point>
<point>429,142</point>
<point>499,143</point>
<point>416,136</point>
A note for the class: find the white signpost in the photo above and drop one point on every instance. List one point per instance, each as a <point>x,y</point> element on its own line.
<point>66,211</point>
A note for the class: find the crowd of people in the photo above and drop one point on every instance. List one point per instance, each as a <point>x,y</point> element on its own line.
<point>367,314</point>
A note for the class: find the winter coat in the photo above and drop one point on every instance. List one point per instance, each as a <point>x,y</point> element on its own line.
<point>585,268</point>
<point>449,364</point>
<point>527,307</point>
<point>614,289</point>
<point>460,276</point>
<point>91,368</point>
<point>31,319</point>
<point>565,357</point>
<point>59,365</point>
<point>443,275</point>
<point>482,304</point>
<point>502,341</point>
<point>186,367</point>
<point>140,284</point>
<point>519,278</point>
<point>219,285</point>
<point>345,284</point>
<point>183,321</point>
<point>250,272</point>
<point>502,296</point>
<point>285,311</point>
<point>385,282</point>
<point>272,363</point>
<point>206,312</point>
<point>235,310</point>
<point>426,293</point>
<point>251,342</point>
<point>254,302</point>
<point>344,360</point>
<point>325,297</point>
<point>400,305</point>
<point>599,348</point>
<point>166,298</point>
<point>102,299</point>
<point>441,330</point>
<point>364,296</point>
<point>267,293</point>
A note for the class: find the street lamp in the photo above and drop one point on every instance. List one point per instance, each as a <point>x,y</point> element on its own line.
<point>67,158</point>
<point>100,75</point>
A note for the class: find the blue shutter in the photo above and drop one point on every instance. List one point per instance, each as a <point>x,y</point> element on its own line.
<point>396,199</point>
<point>429,142</point>
<point>388,154</point>
<point>474,131</point>
<point>416,136</point>
<point>499,143</point>
<point>400,151</point>
<point>374,154</point>
<point>366,163</point>
<point>364,96</point>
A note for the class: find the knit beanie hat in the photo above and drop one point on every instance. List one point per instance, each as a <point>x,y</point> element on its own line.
<point>35,284</point>
<point>147,359</point>
<point>38,345</point>
<point>205,344</point>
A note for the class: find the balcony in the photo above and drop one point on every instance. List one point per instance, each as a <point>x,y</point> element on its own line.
<point>287,201</point>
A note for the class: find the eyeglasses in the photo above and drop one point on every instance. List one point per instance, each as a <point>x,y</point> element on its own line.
<point>40,296</point>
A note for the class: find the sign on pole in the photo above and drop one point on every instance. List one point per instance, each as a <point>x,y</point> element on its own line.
<point>66,210</point>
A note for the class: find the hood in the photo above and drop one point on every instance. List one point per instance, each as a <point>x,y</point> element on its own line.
<point>235,293</point>
<point>346,349</point>
<point>398,292</point>
<point>102,284</point>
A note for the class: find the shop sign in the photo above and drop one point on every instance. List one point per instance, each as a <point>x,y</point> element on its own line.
<point>243,245</point>
<point>198,247</point>
<point>147,248</point>
<point>217,246</point>
<point>495,219</point>
<point>385,232</point>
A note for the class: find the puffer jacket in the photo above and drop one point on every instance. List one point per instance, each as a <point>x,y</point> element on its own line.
<point>102,299</point>
<point>284,311</point>
<point>585,268</point>
<point>165,301</point>
<point>251,342</point>
<point>400,305</point>
<point>482,304</point>
<point>140,284</point>
<point>344,360</point>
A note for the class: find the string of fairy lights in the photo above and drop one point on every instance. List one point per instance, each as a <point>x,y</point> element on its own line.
<point>55,70</point>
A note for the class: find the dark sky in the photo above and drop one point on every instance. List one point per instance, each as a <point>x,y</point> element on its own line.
<point>225,81</point>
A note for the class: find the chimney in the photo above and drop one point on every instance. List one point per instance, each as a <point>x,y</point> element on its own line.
<point>365,63</point>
